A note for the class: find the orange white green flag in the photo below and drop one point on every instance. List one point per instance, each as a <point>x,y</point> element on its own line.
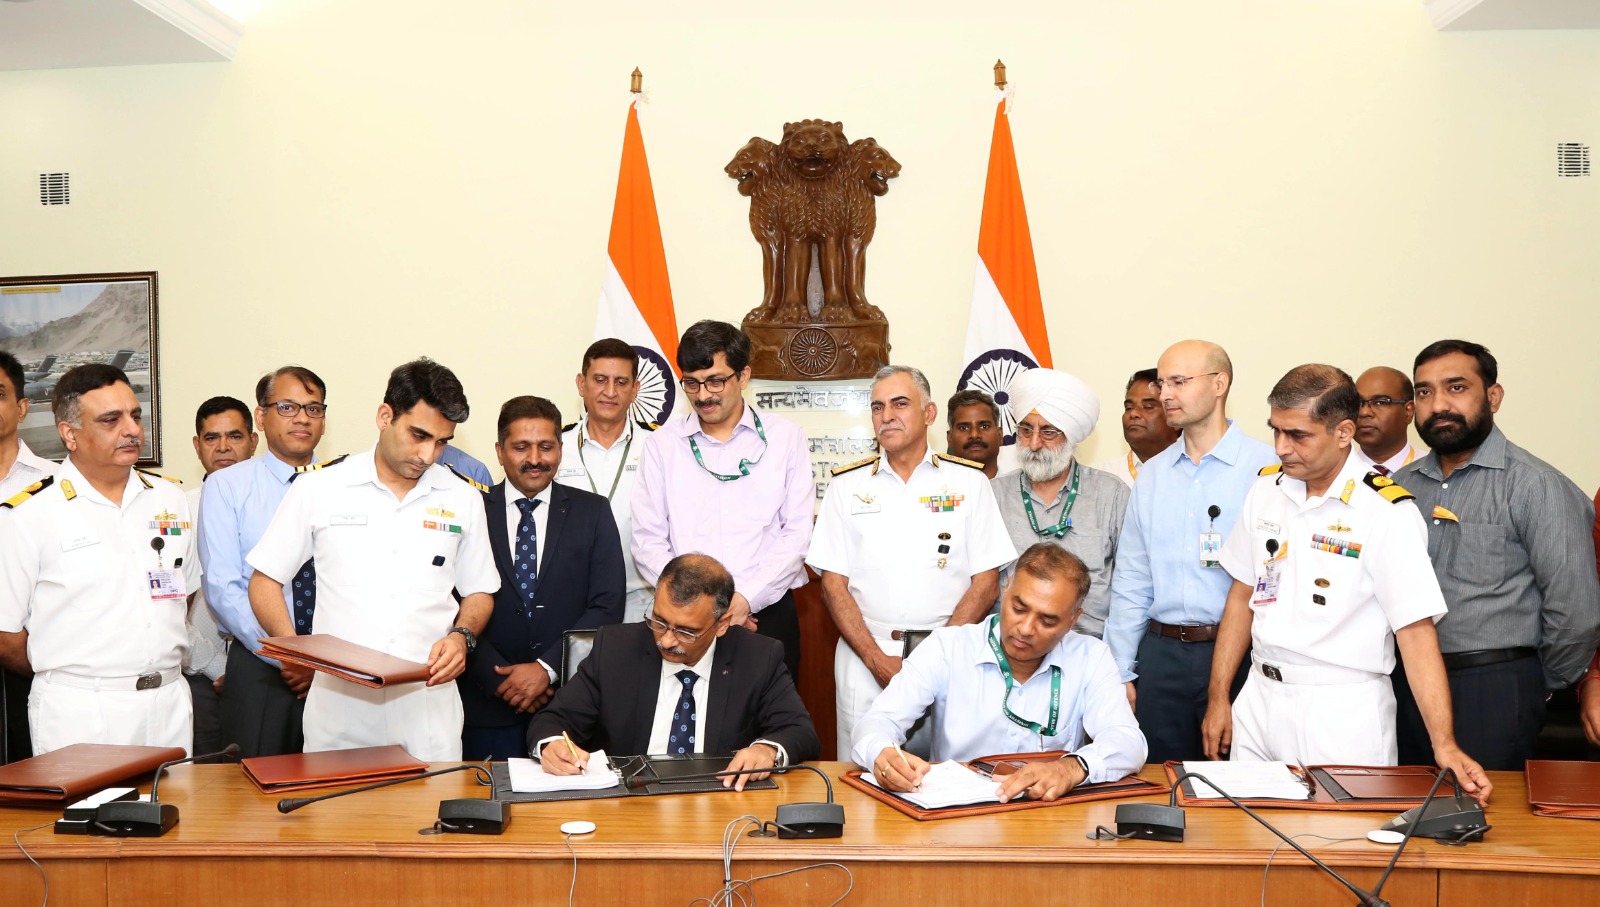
<point>1005,332</point>
<point>635,294</point>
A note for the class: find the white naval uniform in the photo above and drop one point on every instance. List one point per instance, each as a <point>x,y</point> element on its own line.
<point>77,575</point>
<point>28,468</point>
<point>587,466</point>
<point>884,535</point>
<point>1334,703</point>
<point>385,569</point>
<point>1402,457</point>
<point>1124,466</point>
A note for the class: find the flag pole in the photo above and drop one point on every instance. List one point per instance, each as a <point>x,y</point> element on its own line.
<point>999,74</point>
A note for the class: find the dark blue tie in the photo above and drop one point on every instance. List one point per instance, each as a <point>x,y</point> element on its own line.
<point>680,738</point>
<point>526,557</point>
<point>305,597</point>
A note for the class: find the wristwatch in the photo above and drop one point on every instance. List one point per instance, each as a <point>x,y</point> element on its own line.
<point>469,636</point>
<point>1084,763</point>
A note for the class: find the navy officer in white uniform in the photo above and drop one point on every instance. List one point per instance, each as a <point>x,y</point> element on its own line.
<point>1330,570</point>
<point>393,532</point>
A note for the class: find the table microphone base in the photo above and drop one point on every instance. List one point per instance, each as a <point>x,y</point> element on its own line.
<point>810,820</point>
<point>474,817</point>
<point>133,819</point>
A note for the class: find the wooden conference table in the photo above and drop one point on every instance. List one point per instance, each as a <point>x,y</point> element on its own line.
<point>232,846</point>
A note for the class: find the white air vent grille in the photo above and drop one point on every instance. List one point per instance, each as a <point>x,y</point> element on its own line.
<point>55,188</point>
<point>1572,159</point>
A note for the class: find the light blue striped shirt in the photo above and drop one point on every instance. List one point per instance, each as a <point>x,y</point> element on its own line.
<point>1158,574</point>
<point>234,512</point>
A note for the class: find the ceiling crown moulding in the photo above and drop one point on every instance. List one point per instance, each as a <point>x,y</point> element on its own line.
<point>1512,15</point>
<point>77,34</point>
<point>200,21</point>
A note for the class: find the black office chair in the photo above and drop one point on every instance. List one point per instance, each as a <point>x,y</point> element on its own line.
<point>919,740</point>
<point>575,646</point>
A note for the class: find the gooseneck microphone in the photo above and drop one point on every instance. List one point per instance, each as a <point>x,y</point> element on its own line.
<point>290,804</point>
<point>146,818</point>
<point>793,820</point>
<point>465,815</point>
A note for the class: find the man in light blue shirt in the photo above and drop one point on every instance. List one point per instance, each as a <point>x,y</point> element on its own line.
<point>1018,682</point>
<point>262,700</point>
<point>1169,588</point>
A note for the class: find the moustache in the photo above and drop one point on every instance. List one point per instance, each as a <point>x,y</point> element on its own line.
<point>976,444</point>
<point>1438,418</point>
<point>709,403</point>
<point>675,650</point>
<point>527,468</point>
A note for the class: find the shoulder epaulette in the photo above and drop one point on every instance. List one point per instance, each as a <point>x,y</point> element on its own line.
<point>647,426</point>
<point>568,427</point>
<point>26,493</point>
<point>157,475</point>
<point>313,467</point>
<point>468,479</point>
<point>952,458</point>
<point>1385,486</point>
<point>1270,470</point>
<point>841,470</point>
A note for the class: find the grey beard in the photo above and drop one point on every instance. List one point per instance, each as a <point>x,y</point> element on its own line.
<point>1045,464</point>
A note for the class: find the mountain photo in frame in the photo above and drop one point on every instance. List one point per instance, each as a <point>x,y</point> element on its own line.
<point>54,323</point>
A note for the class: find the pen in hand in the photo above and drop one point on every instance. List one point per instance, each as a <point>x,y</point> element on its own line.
<point>573,752</point>
<point>917,785</point>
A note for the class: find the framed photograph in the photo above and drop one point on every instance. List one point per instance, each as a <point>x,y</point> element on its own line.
<point>54,323</point>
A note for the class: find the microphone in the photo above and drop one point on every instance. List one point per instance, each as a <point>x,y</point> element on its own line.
<point>145,818</point>
<point>794,820</point>
<point>464,815</point>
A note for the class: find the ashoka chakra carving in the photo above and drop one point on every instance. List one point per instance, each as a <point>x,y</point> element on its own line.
<point>813,351</point>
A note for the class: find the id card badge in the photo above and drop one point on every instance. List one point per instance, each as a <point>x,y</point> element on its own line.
<point>166,585</point>
<point>1266,588</point>
<point>1211,549</point>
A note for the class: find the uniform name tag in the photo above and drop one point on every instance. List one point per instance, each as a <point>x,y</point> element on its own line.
<point>572,473</point>
<point>1269,527</point>
<point>166,585</point>
<point>860,506</point>
<point>351,519</point>
<point>78,541</point>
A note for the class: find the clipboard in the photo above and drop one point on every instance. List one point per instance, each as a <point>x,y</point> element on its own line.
<point>1347,788</point>
<point>658,772</point>
<point>999,766</point>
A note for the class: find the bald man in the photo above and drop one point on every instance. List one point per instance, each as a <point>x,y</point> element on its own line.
<point>1168,588</point>
<point>1383,426</point>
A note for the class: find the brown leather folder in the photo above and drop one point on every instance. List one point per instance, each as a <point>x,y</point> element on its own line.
<point>1564,790</point>
<point>77,770</point>
<point>343,659</point>
<point>1000,766</point>
<point>331,768</point>
<point>1351,788</point>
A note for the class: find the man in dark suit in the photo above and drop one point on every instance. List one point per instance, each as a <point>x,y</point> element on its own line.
<point>684,681</point>
<point>560,563</point>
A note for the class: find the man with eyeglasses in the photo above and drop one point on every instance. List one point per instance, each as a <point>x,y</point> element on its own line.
<point>262,700</point>
<point>1510,540</point>
<point>731,482</point>
<point>1144,427</point>
<point>1383,427</point>
<point>560,564</point>
<point>1169,588</point>
<point>973,422</point>
<point>401,546</point>
<point>1055,498</point>
<point>600,452</point>
<point>687,680</point>
<point>96,565</point>
<point>906,540</point>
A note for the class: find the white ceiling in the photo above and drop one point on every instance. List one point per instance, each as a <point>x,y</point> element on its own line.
<point>1488,15</point>
<point>68,34</point>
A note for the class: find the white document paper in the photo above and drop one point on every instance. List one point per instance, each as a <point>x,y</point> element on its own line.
<point>949,784</point>
<point>1247,780</point>
<point>529,777</point>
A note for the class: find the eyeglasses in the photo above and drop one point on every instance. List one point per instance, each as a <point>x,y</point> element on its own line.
<point>1049,434</point>
<point>287,408</point>
<point>1380,402</point>
<point>1176,382</point>
<point>658,627</point>
<point>714,385</point>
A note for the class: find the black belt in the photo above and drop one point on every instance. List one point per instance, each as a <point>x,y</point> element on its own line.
<point>1456,661</point>
<point>1182,632</point>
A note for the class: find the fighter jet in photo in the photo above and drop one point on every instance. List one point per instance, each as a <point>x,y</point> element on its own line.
<point>40,392</point>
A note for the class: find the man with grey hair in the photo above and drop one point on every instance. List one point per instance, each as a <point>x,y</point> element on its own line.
<point>687,654</point>
<point>908,539</point>
<point>1329,561</point>
<point>96,566</point>
<point>1054,498</point>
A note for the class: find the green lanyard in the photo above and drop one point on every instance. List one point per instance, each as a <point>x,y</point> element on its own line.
<point>1062,526</point>
<point>744,465</point>
<point>1048,730</point>
<point>620,466</point>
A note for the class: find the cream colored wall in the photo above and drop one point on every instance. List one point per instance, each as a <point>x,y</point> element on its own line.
<point>370,181</point>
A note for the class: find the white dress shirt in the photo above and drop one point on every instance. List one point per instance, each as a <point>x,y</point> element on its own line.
<point>955,671</point>
<point>1392,465</point>
<point>1124,466</point>
<point>28,468</point>
<point>608,471</point>
<point>541,519</point>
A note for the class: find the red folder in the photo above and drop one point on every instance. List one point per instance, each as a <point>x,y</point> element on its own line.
<point>343,659</point>
<point>1350,788</point>
<point>77,770</point>
<point>1564,790</point>
<point>331,768</point>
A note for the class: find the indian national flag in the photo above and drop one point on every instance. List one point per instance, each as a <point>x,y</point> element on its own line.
<point>636,296</point>
<point>1005,333</point>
